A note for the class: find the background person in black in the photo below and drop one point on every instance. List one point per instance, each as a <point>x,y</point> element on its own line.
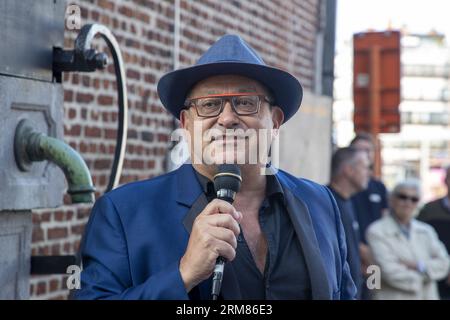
<point>350,172</point>
<point>437,214</point>
<point>370,204</point>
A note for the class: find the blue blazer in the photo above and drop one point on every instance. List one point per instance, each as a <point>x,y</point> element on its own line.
<point>137,234</point>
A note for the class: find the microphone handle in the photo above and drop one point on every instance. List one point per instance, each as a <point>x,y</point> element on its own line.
<point>220,262</point>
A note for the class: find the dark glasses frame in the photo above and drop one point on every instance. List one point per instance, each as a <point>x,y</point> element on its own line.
<point>261,97</point>
<point>404,197</point>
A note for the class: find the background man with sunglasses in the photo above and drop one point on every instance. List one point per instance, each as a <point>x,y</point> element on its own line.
<point>408,252</point>
<point>160,238</point>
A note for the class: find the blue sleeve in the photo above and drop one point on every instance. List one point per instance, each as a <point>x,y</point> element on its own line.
<point>106,267</point>
<point>347,286</point>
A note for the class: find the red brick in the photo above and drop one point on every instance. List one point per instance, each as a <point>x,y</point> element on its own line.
<point>92,148</point>
<point>108,5</point>
<point>95,15</point>
<point>149,78</point>
<point>44,251</point>
<point>82,213</point>
<point>38,234</point>
<point>56,233</point>
<point>110,133</point>
<point>163,137</point>
<point>126,11</point>
<point>67,248</point>
<point>41,288</point>
<point>93,132</point>
<point>59,216</point>
<point>69,215</point>
<point>150,164</point>
<point>75,78</point>
<point>102,164</point>
<point>68,95</point>
<point>53,285</point>
<point>72,113</point>
<point>36,217</point>
<point>45,217</point>
<point>84,97</point>
<point>77,229</point>
<point>74,131</point>
<point>137,164</point>
<point>104,100</point>
<point>133,74</point>
<point>94,115</point>
<point>102,180</point>
<point>84,113</point>
<point>86,81</point>
<point>96,84</point>
<point>83,147</point>
<point>56,249</point>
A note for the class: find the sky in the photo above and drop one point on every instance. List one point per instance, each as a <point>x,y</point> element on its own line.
<point>419,16</point>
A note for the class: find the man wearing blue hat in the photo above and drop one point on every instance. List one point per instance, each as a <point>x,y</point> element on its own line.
<point>160,238</point>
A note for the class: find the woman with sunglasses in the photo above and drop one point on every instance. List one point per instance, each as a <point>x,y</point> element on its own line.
<point>410,256</point>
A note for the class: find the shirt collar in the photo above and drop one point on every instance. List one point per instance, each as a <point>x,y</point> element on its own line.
<point>273,186</point>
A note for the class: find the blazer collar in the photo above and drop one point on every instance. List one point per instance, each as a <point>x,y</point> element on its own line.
<point>188,186</point>
<point>301,220</point>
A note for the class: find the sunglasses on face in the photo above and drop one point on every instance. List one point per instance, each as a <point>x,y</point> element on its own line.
<point>405,197</point>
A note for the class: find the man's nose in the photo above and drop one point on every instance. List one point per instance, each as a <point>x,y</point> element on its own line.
<point>228,118</point>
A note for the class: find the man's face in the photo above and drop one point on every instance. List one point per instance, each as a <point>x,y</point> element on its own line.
<point>404,203</point>
<point>360,171</point>
<point>229,137</point>
<point>366,146</point>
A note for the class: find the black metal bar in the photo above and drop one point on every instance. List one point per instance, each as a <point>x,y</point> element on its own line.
<point>51,264</point>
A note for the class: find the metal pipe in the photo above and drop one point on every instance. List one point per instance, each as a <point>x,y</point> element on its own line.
<point>83,43</point>
<point>31,145</point>
<point>85,58</point>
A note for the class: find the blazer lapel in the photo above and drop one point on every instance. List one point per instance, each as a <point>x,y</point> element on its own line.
<point>301,220</point>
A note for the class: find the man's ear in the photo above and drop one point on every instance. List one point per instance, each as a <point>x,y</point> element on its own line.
<point>184,118</point>
<point>277,117</point>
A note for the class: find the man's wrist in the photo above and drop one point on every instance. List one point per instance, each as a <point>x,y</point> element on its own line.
<point>187,279</point>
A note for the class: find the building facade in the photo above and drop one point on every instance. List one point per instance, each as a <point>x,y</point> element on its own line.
<point>421,149</point>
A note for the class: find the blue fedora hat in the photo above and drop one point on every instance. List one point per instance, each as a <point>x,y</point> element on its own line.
<point>230,55</point>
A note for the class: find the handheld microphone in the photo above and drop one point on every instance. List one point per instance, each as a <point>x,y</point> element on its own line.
<point>227,183</point>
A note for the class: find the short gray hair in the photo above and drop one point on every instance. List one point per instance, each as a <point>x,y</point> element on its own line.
<point>408,184</point>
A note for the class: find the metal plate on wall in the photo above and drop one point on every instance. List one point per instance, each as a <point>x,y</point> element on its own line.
<point>42,104</point>
<point>29,30</point>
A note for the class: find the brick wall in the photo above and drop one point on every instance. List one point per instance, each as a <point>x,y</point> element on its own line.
<point>282,31</point>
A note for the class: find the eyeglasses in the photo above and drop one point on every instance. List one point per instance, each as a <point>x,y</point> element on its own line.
<point>405,197</point>
<point>243,104</point>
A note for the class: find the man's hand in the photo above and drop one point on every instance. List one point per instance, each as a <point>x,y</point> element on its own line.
<point>366,258</point>
<point>213,234</point>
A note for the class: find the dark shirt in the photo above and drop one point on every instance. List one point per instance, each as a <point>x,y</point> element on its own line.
<point>352,237</point>
<point>285,273</point>
<point>437,214</point>
<point>369,205</point>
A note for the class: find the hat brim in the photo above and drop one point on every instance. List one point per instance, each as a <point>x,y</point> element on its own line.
<point>174,86</point>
